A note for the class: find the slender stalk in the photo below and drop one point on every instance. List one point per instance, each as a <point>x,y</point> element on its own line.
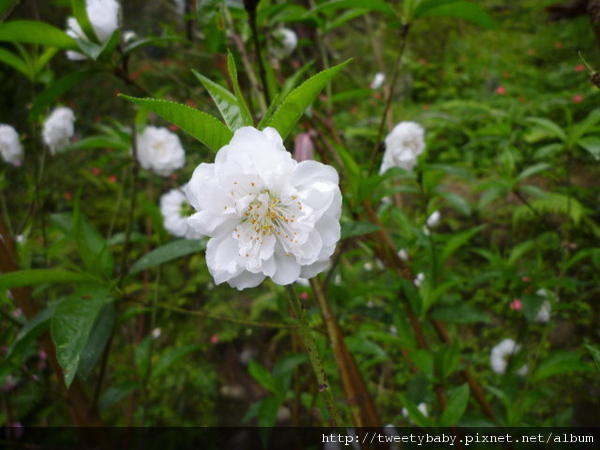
<point>251,8</point>
<point>313,354</point>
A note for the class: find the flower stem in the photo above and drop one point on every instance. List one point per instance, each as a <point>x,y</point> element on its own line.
<point>313,354</point>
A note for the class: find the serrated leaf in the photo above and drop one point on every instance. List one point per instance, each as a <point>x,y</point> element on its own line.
<point>591,144</point>
<point>32,277</point>
<point>32,32</point>
<point>49,95</point>
<point>457,404</point>
<point>467,11</point>
<point>226,102</point>
<point>98,338</point>
<point>244,111</point>
<point>201,126</point>
<point>72,323</point>
<point>171,356</point>
<point>293,107</point>
<point>172,250</point>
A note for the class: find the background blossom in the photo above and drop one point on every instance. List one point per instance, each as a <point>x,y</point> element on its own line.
<point>402,146</point>
<point>10,146</point>
<point>59,129</point>
<point>172,207</point>
<point>267,215</point>
<point>501,354</point>
<point>160,150</point>
<point>104,17</point>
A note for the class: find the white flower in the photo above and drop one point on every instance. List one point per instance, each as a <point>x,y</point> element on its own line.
<point>501,354</point>
<point>434,219</point>
<point>284,42</point>
<point>419,279</point>
<point>58,129</point>
<point>172,208</point>
<point>10,146</point>
<point>378,81</point>
<point>160,150</point>
<point>403,254</point>
<point>402,146</point>
<point>545,310</point>
<point>156,333</point>
<point>104,17</point>
<point>267,215</point>
<point>129,36</point>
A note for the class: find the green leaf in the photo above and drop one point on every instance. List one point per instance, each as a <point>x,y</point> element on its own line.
<point>415,414</point>
<point>368,5</point>
<point>457,241</point>
<point>448,359</point>
<point>226,102</point>
<point>457,404</point>
<point>115,393</point>
<point>558,363</point>
<point>40,33</point>
<point>292,108</point>
<point>550,127</point>
<point>202,126</point>
<point>72,324</point>
<point>97,341</point>
<point>173,250</point>
<point>9,58</point>
<point>80,13</point>
<point>459,314</point>
<point>532,170</point>
<point>143,353</point>
<point>159,41</point>
<point>49,95</point>
<point>32,277</point>
<point>32,329</point>
<point>596,354</point>
<point>351,228</point>
<point>591,144</point>
<point>467,11</point>
<point>262,376</point>
<point>101,142</point>
<point>585,125</point>
<point>244,111</point>
<point>458,202</point>
<point>267,416</point>
<point>171,356</point>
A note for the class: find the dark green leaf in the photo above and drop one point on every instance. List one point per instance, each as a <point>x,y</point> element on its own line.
<point>159,41</point>
<point>40,33</point>
<point>596,354</point>
<point>558,363</point>
<point>591,144</point>
<point>202,126</point>
<point>172,355</point>
<point>368,5</point>
<point>173,250</point>
<point>102,142</point>
<point>72,324</point>
<point>262,376</point>
<point>459,314</point>
<point>457,241</point>
<point>80,13</point>
<point>267,416</point>
<point>9,58</point>
<point>457,404</point>
<point>292,108</point>
<point>49,95</point>
<point>226,102</point>
<point>415,414</point>
<point>467,11</point>
<point>143,353</point>
<point>99,337</point>
<point>115,393</point>
<point>352,228</point>
<point>32,277</point>
<point>30,331</point>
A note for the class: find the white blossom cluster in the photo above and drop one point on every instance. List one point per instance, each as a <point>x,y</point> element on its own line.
<point>160,150</point>
<point>502,353</point>
<point>10,146</point>
<point>403,146</point>
<point>104,17</point>
<point>59,129</point>
<point>173,209</point>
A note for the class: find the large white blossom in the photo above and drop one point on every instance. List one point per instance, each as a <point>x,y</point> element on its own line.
<point>403,146</point>
<point>104,17</point>
<point>502,353</point>
<point>284,42</point>
<point>160,150</point>
<point>10,146</point>
<point>267,215</point>
<point>59,129</point>
<point>173,205</point>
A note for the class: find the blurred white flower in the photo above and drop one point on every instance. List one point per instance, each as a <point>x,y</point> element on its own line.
<point>59,129</point>
<point>422,409</point>
<point>284,42</point>
<point>173,206</point>
<point>104,17</point>
<point>545,310</point>
<point>434,219</point>
<point>402,146</point>
<point>378,81</point>
<point>129,36</point>
<point>502,353</point>
<point>419,279</point>
<point>160,150</point>
<point>403,254</point>
<point>10,146</point>
<point>156,333</point>
<point>267,215</point>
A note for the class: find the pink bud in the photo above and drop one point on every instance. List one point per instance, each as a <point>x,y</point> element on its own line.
<point>577,98</point>
<point>304,296</point>
<point>500,90</point>
<point>214,339</point>
<point>303,148</point>
<point>516,305</point>
<point>579,68</point>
